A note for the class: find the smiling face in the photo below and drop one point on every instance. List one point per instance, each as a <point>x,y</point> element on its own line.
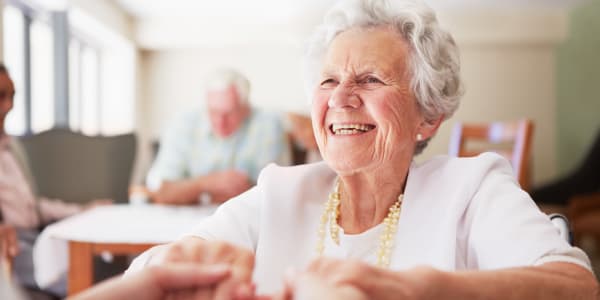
<point>364,114</point>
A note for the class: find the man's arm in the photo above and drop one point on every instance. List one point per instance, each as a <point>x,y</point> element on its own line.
<point>220,186</point>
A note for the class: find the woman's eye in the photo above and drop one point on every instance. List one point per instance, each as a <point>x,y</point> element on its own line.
<point>328,82</point>
<point>371,79</point>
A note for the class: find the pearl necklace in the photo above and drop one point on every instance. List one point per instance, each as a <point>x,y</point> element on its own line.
<point>331,214</point>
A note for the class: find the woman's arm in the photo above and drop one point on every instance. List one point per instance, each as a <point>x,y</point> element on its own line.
<point>555,280</point>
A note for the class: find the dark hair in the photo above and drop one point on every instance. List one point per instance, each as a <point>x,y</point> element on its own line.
<point>3,68</point>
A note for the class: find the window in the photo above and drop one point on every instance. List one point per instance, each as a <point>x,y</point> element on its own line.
<point>14,60</point>
<point>97,79</point>
<point>42,73</point>
<point>102,97</point>
<point>89,101</point>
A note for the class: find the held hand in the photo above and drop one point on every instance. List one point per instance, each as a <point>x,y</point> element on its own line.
<point>225,185</point>
<point>377,283</point>
<point>159,282</point>
<point>206,253</point>
<point>9,245</point>
<point>309,286</point>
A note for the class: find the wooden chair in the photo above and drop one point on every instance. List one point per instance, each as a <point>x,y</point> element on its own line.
<point>584,212</point>
<point>510,139</point>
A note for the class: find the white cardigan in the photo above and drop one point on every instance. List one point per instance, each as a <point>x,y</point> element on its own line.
<point>457,214</point>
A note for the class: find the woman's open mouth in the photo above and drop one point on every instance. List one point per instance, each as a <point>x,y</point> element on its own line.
<point>350,129</point>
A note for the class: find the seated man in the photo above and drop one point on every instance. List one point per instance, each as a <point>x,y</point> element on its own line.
<point>214,154</point>
<point>20,207</point>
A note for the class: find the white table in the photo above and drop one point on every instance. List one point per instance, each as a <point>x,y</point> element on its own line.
<point>69,245</point>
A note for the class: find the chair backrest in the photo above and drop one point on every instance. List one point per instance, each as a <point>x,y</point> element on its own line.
<point>78,168</point>
<point>510,139</point>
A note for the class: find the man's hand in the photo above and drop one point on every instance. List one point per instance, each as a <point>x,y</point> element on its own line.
<point>225,185</point>
<point>221,186</point>
<point>97,202</point>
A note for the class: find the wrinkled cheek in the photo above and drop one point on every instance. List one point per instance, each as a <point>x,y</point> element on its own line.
<point>318,112</point>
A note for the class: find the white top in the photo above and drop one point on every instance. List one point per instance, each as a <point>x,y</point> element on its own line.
<point>457,214</point>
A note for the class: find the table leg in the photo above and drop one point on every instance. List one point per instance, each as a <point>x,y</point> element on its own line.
<point>81,268</point>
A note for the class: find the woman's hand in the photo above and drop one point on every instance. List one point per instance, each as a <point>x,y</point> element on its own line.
<point>159,282</point>
<point>207,253</point>
<point>359,280</point>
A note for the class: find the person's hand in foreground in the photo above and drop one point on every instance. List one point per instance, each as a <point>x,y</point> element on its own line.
<point>328,278</point>
<point>9,246</point>
<point>310,286</point>
<point>199,252</point>
<point>159,282</point>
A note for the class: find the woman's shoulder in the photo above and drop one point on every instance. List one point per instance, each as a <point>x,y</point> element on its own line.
<point>460,172</point>
<point>319,171</point>
<point>306,183</point>
<point>482,163</point>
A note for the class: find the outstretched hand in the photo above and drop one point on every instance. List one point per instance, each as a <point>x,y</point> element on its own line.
<point>199,252</point>
<point>159,282</point>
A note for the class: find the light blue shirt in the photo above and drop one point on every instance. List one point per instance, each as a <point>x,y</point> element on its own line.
<point>190,149</point>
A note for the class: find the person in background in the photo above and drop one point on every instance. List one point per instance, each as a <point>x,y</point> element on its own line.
<point>20,207</point>
<point>213,154</point>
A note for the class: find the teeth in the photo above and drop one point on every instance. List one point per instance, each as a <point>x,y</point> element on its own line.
<point>343,129</point>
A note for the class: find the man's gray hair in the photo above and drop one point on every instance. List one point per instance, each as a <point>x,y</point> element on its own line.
<point>434,62</point>
<point>223,78</point>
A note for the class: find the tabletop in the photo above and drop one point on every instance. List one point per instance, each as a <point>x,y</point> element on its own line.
<point>130,224</point>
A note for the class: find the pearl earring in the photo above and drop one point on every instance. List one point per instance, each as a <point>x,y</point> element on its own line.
<point>419,137</point>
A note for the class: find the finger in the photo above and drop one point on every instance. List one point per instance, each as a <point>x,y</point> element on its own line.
<point>227,289</point>
<point>245,292</point>
<point>203,294</point>
<point>190,276</point>
<point>244,265</point>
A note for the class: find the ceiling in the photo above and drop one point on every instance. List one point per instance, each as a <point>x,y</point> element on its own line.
<point>277,10</point>
<point>188,23</point>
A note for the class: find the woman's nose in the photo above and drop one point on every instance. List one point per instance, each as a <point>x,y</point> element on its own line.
<point>343,96</point>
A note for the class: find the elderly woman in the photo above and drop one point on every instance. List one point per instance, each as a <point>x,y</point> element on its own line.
<point>368,221</point>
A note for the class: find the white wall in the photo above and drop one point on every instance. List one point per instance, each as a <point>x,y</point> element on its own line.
<point>508,62</point>
<point>1,30</point>
<point>507,83</point>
